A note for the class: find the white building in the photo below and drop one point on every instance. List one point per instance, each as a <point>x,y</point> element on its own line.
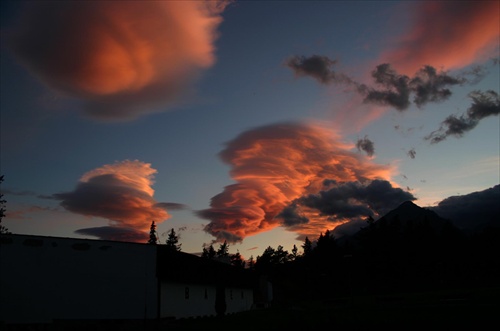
<point>47,279</point>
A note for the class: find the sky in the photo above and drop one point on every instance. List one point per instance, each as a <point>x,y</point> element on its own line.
<point>258,123</point>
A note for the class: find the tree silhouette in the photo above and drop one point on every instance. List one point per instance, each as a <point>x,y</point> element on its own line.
<point>3,229</point>
<point>208,253</point>
<point>280,255</point>
<point>294,254</point>
<point>153,239</point>
<point>223,250</point>
<point>172,241</point>
<point>237,260</point>
<point>251,263</point>
<point>307,247</point>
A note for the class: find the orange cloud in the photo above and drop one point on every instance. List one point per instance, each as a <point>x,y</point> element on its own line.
<point>448,34</point>
<point>121,193</point>
<point>274,165</point>
<point>123,58</point>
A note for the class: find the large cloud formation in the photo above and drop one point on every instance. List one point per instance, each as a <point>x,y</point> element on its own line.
<point>273,167</point>
<point>448,35</point>
<point>120,192</point>
<point>124,59</point>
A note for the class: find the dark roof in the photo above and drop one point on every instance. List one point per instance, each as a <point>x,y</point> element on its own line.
<point>183,267</point>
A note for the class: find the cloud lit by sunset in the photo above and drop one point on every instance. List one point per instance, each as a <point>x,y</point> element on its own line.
<point>276,164</point>
<point>123,59</point>
<point>262,122</point>
<point>121,193</point>
<point>447,35</point>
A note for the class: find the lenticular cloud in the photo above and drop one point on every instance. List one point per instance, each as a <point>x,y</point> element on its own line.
<point>122,58</point>
<point>273,166</point>
<point>120,192</point>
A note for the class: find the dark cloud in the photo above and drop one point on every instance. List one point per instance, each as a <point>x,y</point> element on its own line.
<point>473,211</point>
<point>427,85</point>
<point>391,88</point>
<point>412,153</point>
<point>396,93</point>
<point>27,193</point>
<point>317,67</point>
<point>451,126</point>
<point>356,200</point>
<point>484,104</point>
<point>430,86</point>
<point>291,216</point>
<point>171,206</point>
<point>365,145</point>
<point>349,228</point>
<point>115,233</point>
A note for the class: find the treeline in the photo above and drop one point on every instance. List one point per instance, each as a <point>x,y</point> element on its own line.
<point>384,258</point>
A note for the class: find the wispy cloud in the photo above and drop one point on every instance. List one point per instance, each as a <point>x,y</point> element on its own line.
<point>448,35</point>
<point>124,59</point>
<point>22,213</point>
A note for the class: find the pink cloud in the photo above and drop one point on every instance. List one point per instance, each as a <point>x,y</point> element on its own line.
<point>274,165</point>
<point>448,35</point>
<point>120,192</point>
<point>124,59</point>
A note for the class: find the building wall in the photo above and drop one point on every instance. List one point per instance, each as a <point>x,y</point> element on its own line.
<point>238,299</point>
<point>181,300</point>
<point>45,278</point>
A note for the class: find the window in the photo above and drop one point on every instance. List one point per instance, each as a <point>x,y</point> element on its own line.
<point>231,294</point>
<point>206,294</point>
<point>242,294</point>
<point>186,292</point>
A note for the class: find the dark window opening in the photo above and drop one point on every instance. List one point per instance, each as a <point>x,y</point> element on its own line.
<point>186,292</point>
<point>206,294</point>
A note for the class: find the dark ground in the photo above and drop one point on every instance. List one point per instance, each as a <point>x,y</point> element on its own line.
<point>464,308</point>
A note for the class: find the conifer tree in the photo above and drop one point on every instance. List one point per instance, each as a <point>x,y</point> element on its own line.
<point>251,263</point>
<point>153,239</point>
<point>172,241</point>
<point>307,247</point>
<point>223,250</point>
<point>208,253</point>
<point>3,229</point>
<point>294,254</point>
<point>237,260</point>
